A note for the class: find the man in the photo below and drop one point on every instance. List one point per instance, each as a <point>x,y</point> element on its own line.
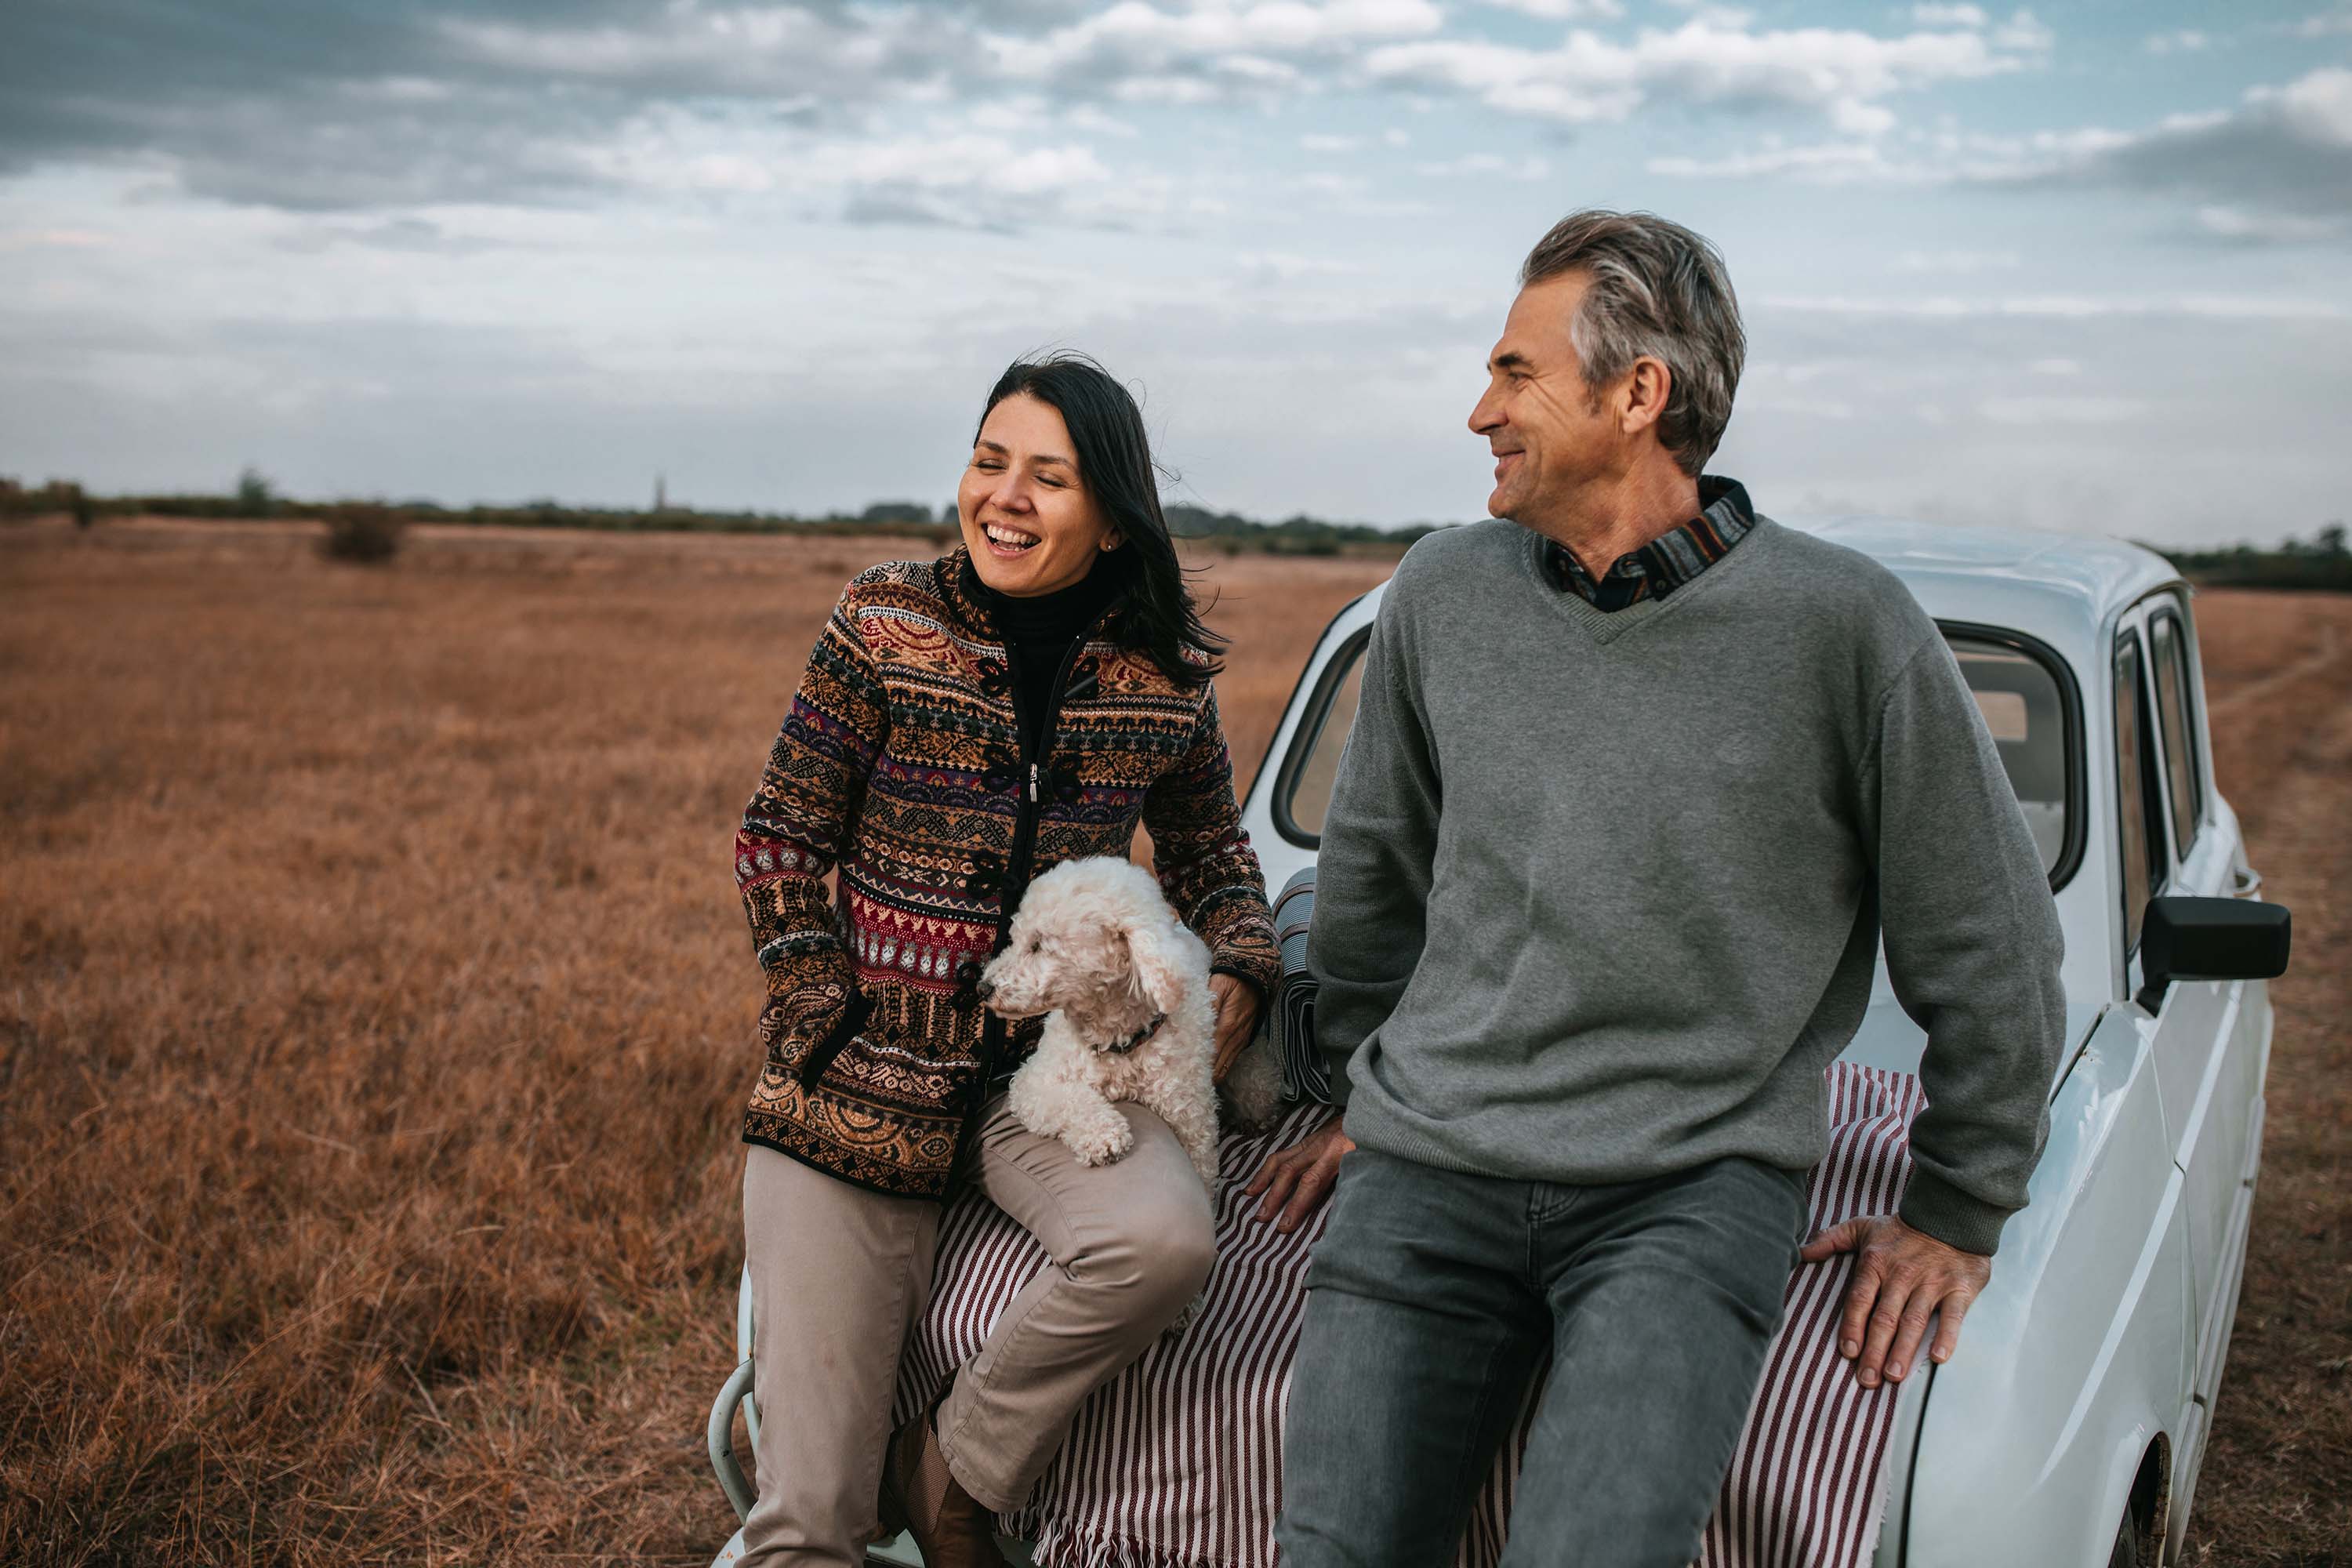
<point>1638,781</point>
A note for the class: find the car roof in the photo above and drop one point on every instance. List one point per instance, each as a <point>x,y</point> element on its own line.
<point>2066,588</point>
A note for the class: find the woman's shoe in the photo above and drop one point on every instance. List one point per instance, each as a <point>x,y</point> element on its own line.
<point>921,1496</point>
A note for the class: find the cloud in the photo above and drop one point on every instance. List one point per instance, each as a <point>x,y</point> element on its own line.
<point>1965,262</point>
<point>408,103</point>
<point>2274,170</point>
<point>1564,10</point>
<point>1209,51</point>
<point>2278,169</point>
<point>2234,225</point>
<point>403,102</point>
<point>2062,410</point>
<point>2183,41</point>
<point>412,235</point>
<point>2068,307</point>
<point>1841,74</point>
<point>1475,165</point>
<point>2025,31</point>
<point>1833,162</point>
<point>1284,267</point>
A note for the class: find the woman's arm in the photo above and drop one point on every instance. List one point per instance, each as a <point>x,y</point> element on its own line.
<point>793,833</point>
<point>1204,861</point>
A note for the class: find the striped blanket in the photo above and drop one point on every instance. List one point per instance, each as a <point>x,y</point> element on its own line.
<point>1177,1463</point>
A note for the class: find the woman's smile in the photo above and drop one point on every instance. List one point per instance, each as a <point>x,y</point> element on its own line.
<point>1005,540</point>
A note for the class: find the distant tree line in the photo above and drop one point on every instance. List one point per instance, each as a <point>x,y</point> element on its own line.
<point>369,530</point>
<point>2322,561</point>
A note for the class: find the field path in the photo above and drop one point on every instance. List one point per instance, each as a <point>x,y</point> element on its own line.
<point>2277,1487</point>
<point>2303,670</point>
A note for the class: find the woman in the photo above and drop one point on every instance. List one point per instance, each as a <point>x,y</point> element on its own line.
<point>964,723</point>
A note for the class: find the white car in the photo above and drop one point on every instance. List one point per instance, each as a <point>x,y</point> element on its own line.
<point>2070,1427</point>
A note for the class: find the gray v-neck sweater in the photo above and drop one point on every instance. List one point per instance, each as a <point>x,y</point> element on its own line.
<point>1601,893</point>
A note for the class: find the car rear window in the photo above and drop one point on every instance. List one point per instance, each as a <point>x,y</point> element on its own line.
<point>2025,709</point>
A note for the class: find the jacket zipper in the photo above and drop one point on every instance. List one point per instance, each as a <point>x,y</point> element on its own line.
<point>1016,866</point>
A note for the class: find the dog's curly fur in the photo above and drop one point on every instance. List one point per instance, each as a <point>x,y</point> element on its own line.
<point>1095,948</point>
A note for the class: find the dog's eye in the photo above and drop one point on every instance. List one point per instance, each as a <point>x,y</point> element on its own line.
<point>1036,945</point>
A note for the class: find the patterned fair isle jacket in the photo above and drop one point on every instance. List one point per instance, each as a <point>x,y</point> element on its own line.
<point>900,764</point>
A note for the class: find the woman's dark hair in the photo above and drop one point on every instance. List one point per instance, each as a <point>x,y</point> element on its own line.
<point>1115,463</point>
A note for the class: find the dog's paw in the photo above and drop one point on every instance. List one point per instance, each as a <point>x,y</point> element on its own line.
<point>1102,1146</point>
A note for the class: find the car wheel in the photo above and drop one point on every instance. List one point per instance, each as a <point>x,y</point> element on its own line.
<point>2126,1550</point>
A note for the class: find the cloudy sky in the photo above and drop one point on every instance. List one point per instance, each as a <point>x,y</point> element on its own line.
<point>2083,266</point>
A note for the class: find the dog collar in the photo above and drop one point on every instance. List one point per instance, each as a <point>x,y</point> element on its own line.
<point>1121,1048</point>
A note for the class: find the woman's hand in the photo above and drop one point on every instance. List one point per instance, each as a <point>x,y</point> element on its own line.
<point>1236,1020</point>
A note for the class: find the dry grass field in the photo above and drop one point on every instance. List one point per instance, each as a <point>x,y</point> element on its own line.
<point>375,1009</point>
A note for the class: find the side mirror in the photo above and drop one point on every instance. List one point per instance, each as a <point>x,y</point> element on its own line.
<point>2210,939</point>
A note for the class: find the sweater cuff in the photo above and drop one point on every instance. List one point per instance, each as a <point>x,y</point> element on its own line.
<point>1934,1206</point>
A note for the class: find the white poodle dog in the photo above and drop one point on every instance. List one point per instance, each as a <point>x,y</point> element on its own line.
<point>1131,1016</point>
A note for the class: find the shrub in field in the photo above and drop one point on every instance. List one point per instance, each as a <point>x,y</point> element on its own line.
<point>363,532</point>
<point>256,496</point>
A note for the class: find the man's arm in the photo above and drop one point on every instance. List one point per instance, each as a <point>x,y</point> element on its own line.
<point>1372,892</point>
<point>1374,868</point>
<point>1973,947</point>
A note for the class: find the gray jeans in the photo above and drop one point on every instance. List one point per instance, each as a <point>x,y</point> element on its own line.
<point>1434,1297</point>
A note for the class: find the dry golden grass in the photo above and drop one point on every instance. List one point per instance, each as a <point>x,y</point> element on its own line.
<point>376,1013</point>
<point>375,1009</point>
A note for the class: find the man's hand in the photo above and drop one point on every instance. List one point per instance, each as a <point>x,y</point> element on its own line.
<point>1297,1180</point>
<point>1901,1278</point>
<point>1236,1021</point>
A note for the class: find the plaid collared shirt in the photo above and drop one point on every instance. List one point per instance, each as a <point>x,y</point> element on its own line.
<point>1667,561</point>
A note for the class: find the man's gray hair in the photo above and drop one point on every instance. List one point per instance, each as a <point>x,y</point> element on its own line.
<point>1658,291</point>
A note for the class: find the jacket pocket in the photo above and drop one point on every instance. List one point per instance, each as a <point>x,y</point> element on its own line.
<point>854,1015</point>
<point>902,1055</point>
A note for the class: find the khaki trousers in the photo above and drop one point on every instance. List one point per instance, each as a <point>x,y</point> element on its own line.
<point>840,1275</point>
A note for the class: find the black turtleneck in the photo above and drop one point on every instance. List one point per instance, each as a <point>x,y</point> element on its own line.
<point>1038,630</point>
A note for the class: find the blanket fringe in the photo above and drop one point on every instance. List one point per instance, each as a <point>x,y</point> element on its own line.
<point>1057,1544</point>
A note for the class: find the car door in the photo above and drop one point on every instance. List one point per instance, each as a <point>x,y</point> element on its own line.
<point>2166,849</point>
<point>2218,1144</point>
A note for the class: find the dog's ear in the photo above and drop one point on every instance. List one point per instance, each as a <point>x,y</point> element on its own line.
<point>1153,950</point>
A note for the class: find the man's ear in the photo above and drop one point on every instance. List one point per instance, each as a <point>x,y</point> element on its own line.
<point>1645,391</point>
<point>1159,970</point>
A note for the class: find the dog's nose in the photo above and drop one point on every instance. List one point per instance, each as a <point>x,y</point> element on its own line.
<point>985,990</point>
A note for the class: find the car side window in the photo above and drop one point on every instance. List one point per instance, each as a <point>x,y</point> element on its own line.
<point>1302,792</point>
<point>2169,649</point>
<point>2142,847</point>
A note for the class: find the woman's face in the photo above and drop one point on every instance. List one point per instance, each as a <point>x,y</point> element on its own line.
<point>1029,520</point>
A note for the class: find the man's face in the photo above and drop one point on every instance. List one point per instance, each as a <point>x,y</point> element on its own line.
<point>1548,435</point>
